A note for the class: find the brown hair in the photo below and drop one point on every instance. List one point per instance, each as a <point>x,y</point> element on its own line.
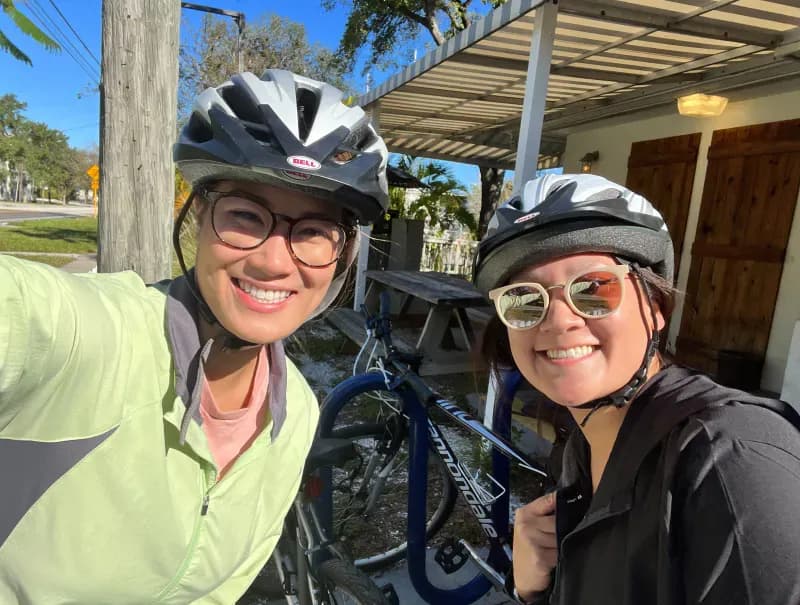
<point>495,349</point>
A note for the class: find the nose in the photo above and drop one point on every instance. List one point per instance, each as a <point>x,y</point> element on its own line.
<point>273,257</point>
<point>560,316</point>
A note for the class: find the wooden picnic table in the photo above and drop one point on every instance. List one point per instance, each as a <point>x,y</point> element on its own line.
<point>447,297</point>
<point>437,308</point>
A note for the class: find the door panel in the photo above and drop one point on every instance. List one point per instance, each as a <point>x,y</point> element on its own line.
<point>748,203</point>
<point>662,170</point>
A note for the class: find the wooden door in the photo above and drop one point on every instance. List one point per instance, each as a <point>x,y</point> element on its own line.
<point>662,170</point>
<point>748,203</point>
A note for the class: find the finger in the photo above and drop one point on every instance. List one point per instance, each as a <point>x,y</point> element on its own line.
<point>548,558</point>
<point>540,538</point>
<point>546,524</point>
<point>527,519</point>
<point>543,505</point>
<point>539,565</point>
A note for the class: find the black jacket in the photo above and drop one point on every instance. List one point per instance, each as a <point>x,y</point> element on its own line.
<point>699,503</point>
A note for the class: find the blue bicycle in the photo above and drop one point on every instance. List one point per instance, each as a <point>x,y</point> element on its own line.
<point>401,487</point>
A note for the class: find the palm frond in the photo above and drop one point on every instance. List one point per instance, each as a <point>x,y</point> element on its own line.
<point>9,47</point>
<point>27,27</point>
<point>442,202</point>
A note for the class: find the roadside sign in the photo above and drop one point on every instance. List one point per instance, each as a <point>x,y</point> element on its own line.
<point>94,173</point>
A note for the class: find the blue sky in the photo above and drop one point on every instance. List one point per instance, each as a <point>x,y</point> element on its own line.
<point>58,91</point>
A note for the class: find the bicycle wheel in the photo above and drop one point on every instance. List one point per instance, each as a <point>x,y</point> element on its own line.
<point>345,584</point>
<point>370,492</point>
<point>266,585</point>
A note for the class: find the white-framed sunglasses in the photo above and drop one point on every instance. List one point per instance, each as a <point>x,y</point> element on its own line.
<point>593,294</point>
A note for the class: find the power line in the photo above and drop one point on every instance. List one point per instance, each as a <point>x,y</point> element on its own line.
<point>96,60</point>
<point>64,44</point>
<point>85,66</point>
<point>63,36</point>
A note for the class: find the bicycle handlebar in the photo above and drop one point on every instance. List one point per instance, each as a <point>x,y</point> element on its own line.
<point>406,364</point>
<point>380,324</point>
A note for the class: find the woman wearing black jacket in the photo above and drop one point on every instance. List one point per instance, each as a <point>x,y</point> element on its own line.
<point>675,490</point>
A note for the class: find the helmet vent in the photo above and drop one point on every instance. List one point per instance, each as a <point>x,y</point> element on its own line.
<point>359,138</point>
<point>198,130</point>
<point>241,103</point>
<point>306,111</point>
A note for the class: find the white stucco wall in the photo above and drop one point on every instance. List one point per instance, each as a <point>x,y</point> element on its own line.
<point>613,138</point>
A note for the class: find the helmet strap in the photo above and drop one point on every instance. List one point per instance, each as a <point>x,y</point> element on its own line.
<point>625,394</point>
<point>228,339</point>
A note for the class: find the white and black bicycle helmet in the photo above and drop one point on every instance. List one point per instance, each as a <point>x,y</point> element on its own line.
<point>560,215</point>
<point>290,131</point>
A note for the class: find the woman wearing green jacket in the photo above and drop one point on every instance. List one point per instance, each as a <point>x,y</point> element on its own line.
<point>152,437</point>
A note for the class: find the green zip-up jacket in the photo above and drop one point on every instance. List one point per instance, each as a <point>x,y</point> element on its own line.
<point>107,485</point>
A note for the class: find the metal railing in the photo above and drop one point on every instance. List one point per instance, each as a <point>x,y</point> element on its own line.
<point>448,256</point>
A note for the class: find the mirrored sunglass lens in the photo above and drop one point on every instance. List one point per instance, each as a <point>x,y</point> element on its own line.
<point>521,307</point>
<point>317,242</point>
<point>597,293</point>
<point>241,222</point>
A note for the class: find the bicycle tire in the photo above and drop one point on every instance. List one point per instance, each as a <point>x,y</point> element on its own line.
<point>379,539</point>
<point>266,585</point>
<point>344,583</point>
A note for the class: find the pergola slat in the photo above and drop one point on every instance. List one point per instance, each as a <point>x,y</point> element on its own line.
<point>609,57</point>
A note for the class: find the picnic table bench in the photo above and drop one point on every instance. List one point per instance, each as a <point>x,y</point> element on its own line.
<point>447,335</point>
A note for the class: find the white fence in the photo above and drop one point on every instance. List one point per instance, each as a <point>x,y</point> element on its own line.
<point>448,256</point>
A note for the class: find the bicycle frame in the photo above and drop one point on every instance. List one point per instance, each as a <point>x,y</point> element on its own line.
<point>422,431</point>
<point>298,555</point>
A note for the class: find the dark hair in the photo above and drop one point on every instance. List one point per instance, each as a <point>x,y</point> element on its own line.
<point>495,349</point>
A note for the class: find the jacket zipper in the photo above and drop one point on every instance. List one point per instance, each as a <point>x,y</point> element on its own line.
<point>208,484</point>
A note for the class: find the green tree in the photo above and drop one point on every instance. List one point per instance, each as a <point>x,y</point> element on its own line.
<point>56,168</point>
<point>383,26</point>
<point>41,153</point>
<point>273,42</point>
<point>11,119</point>
<point>441,203</point>
<point>26,27</point>
<point>14,144</point>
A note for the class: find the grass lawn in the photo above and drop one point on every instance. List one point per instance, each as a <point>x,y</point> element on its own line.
<point>47,259</point>
<point>63,235</point>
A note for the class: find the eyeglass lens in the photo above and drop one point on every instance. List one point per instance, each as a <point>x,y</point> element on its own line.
<point>245,224</point>
<point>593,294</point>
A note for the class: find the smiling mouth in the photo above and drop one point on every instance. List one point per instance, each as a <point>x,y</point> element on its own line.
<point>570,353</point>
<point>261,295</point>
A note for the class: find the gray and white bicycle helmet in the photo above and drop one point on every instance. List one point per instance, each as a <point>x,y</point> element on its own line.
<point>289,131</point>
<point>560,215</point>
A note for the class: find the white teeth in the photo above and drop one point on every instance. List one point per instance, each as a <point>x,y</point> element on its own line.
<point>573,353</point>
<point>268,296</point>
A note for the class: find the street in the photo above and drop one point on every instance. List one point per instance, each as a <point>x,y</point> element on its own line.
<point>11,212</point>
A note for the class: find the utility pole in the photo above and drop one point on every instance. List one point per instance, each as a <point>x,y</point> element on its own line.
<point>237,16</point>
<point>138,107</point>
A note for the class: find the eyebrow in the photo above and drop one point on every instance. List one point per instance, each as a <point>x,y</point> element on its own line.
<point>265,201</point>
<point>575,273</point>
